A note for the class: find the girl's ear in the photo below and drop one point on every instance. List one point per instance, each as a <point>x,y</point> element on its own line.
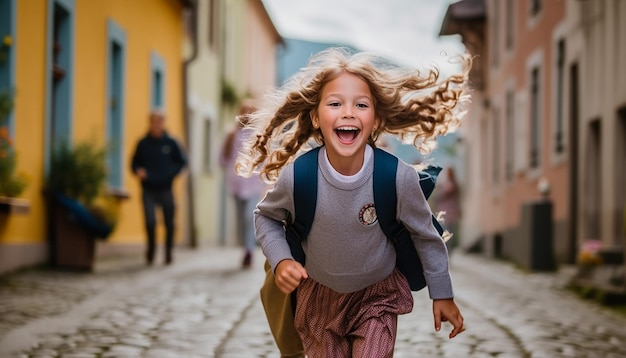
<point>376,130</point>
<point>314,120</point>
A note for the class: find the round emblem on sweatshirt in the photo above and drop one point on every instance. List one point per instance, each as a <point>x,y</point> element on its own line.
<point>165,149</point>
<point>367,215</point>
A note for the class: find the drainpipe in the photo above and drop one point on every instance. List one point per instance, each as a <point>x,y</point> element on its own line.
<point>191,222</point>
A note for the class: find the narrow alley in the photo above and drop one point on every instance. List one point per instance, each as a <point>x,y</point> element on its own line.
<point>205,306</point>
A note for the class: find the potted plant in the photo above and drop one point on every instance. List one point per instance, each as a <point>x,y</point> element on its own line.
<point>79,210</point>
<point>229,94</point>
<point>12,184</point>
<point>588,258</point>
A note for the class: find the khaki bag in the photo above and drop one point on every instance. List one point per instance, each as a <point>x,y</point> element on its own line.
<point>279,313</point>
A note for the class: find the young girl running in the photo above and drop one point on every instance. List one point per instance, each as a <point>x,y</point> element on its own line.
<point>350,293</point>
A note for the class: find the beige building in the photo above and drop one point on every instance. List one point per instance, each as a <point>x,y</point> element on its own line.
<point>594,33</point>
<point>235,59</point>
<point>549,107</point>
<point>204,108</point>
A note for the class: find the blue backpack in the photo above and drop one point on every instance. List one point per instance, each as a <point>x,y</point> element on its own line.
<point>385,199</point>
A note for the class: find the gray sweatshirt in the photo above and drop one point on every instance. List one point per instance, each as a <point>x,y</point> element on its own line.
<point>346,249</point>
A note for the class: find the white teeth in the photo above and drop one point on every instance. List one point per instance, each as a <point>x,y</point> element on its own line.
<point>347,129</point>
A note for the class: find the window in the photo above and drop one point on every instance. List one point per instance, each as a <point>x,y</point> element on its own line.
<point>593,183</point>
<point>574,117</point>
<point>574,161</point>
<point>620,179</point>
<point>535,120</point>
<point>189,22</point>
<point>59,74</point>
<point>535,7</point>
<point>510,133</point>
<point>560,74</point>
<point>158,82</point>
<point>510,23</point>
<point>484,155</point>
<point>496,146</point>
<point>7,53</point>
<point>213,23</point>
<point>207,163</point>
<point>495,32</point>
<point>116,49</point>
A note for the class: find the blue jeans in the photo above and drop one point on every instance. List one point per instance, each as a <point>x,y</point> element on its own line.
<point>245,226</point>
<point>165,199</point>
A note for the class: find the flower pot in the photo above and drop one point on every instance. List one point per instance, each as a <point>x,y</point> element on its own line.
<point>75,247</point>
<point>75,233</point>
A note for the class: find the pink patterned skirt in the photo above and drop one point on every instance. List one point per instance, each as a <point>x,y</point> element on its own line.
<point>357,324</point>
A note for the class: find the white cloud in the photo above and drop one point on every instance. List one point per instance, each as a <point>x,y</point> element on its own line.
<point>405,30</point>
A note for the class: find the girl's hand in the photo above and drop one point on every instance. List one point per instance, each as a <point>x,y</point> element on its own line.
<point>288,275</point>
<point>446,310</point>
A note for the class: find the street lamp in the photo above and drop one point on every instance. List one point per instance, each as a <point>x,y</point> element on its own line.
<point>543,186</point>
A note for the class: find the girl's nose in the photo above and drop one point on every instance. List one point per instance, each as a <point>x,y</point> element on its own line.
<point>348,114</point>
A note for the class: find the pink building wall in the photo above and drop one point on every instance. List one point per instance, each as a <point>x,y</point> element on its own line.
<point>262,40</point>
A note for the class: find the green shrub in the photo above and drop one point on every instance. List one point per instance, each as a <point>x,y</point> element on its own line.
<point>11,184</point>
<point>78,172</point>
<point>229,94</point>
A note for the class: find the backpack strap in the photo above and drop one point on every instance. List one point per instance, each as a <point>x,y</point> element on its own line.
<point>385,186</point>
<point>385,194</point>
<point>428,178</point>
<point>305,201</point>
<point>385,199</point>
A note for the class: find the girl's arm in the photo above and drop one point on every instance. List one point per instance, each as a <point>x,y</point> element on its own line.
<point>414,212</point>
<point>269,216</point>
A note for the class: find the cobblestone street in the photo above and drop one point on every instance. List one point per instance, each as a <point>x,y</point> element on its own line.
<point>205,306</point>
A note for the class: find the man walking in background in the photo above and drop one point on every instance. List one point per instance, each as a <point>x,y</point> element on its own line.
<point>158,159</point>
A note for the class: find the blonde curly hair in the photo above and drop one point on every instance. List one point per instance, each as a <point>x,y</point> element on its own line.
<point>413,105</point>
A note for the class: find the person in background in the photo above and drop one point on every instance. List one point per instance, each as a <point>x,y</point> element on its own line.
<point>246,192</point>
<point>157,160</point>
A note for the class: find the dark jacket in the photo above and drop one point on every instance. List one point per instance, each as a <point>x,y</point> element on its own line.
<point>162,159</point>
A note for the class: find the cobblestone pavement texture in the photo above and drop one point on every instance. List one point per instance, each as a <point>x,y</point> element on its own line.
<point>206,306</point>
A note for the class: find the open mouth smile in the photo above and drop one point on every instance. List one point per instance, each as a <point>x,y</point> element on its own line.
<point>347,134</point>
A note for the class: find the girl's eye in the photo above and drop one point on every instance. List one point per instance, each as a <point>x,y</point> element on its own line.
<point>334,104</point>
<point>362,105</point>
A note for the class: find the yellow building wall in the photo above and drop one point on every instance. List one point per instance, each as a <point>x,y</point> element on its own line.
<point>150,25</point>
<point>29,129</point>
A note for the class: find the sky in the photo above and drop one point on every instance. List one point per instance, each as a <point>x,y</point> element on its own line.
<point>404,30</point>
